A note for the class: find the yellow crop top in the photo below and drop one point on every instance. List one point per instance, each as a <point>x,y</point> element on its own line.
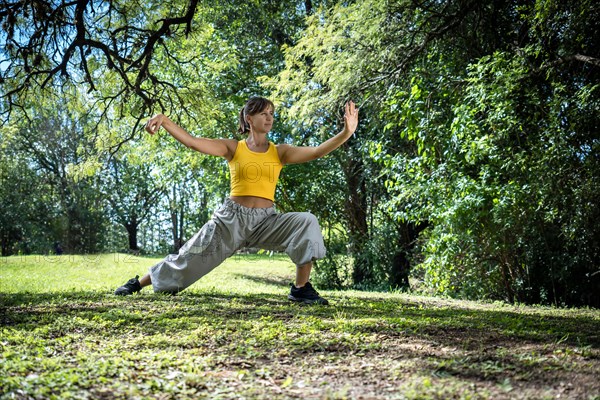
<point>254,174</point>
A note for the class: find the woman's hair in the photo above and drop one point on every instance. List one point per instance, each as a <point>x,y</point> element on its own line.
<point>253,106</point>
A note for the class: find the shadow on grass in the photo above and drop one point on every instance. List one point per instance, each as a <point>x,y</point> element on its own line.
<point>392,318</point>
<point>276,281</point>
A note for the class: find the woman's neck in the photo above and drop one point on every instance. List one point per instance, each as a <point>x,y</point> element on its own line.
<point>257,140</point>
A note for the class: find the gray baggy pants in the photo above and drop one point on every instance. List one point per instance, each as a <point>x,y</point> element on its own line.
<point>231,228</point>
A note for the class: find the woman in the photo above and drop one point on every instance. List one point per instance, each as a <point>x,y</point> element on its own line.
<point>247,218</point>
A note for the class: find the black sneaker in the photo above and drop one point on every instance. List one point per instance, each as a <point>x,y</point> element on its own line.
<point>306,295</point>
<point>132,286</point>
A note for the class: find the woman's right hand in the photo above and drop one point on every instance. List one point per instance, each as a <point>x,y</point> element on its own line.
<point>154,123</point>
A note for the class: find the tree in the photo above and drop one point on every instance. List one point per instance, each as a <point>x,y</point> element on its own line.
<point>24,204</point>
<point>132,190</point>
<point>187,185</point>
<point>53,144</point>
<point>134,59</point>
<point>478,112</point>
<point>84,41</point>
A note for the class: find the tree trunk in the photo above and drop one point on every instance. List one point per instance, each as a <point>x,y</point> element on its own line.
<point>177,217</point>
<point>356,214</point>
<point>174,225</point>
<point>5,252</point>
<point>132,230</point>
<point>181,220</point>
<point>407,239</point>
<point>308,7</point>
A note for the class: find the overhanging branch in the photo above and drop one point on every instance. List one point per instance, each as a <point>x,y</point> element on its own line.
<point>51,37</point>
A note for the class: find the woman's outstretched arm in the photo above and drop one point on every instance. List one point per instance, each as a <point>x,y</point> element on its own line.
<point>214,147</point>
<point>298,154</point>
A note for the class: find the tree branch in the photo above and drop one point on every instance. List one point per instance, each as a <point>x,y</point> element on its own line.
<point>54,39</point>
<point>581,58</point>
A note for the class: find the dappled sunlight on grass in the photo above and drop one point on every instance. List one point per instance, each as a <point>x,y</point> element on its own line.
<point>234,334</point>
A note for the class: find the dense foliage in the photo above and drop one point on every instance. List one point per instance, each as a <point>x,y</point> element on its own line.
<point>483,118</point>
<point>474,172</point>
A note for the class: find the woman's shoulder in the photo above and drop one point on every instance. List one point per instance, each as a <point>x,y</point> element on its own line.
<point>282,148</point>
<point>231,145</point>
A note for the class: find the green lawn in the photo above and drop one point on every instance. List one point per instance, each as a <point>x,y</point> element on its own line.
<point>234,335</point>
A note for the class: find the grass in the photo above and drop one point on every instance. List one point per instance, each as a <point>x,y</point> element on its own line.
<point>233,334</point>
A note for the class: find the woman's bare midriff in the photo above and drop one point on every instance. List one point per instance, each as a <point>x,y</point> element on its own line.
<point>252,201</point>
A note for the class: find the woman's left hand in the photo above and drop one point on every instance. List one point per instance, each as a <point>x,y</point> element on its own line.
<point>350,118</point>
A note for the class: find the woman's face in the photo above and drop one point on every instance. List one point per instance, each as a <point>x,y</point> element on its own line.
<point>262,122</point>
